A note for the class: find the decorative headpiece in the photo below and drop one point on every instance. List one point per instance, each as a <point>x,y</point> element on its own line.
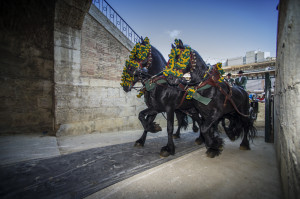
<point>178,60</point>
<point>139,52</point>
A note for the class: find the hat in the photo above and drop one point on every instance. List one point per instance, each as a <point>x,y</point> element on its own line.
<point>229,74</point>
<point>241,72</point>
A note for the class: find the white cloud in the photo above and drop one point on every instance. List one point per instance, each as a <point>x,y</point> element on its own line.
<point>174,33</point>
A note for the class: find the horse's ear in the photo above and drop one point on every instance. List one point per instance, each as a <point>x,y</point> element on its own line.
<point>172,46</point>
<point>142,39</point>
<point>181,44</point>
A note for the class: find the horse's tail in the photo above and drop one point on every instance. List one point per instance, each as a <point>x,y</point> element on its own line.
<point>184,122</point>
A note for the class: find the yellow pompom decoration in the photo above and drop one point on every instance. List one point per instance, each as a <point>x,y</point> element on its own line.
<point>190,91</point>
<point>178,61</point>
<point>139,52</point>
<point>141,93</point>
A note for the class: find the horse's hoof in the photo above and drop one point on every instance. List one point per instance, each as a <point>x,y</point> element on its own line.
<point>164,154</point>
<point>139,145</point>
<point>199,141</point>
<point>158,128</point>
<point>244,147</point>
<point>176,136</point>
<point>154,128</point>
<point>166,151</point>
<point>211,153</point>
<point>195,129</point>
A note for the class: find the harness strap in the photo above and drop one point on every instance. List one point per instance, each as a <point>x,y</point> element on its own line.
<point>199,89</point>
<point>213,82</point>
<point>181,86</point>
<point>228,97</point>
<point>182,100</point>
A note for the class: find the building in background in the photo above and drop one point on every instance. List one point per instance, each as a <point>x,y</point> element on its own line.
<point>255,56</point>
<point>254,64</point>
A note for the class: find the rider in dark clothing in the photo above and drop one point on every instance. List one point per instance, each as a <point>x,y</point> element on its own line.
<point>229,79</point>
<point>241,80</point>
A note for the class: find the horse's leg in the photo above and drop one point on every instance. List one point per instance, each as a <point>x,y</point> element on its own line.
<point>245,142</point>
<point>200,140</point>
<point>249,133</point>
<point>146,117</point>
<point>170,148</point>
<point>140,142</point>
<point>214,144</point>
<point>149,126</point>
<point>195,127</point>
<point>181,123</point>
<point>248,127</point>
<point>228,130</point>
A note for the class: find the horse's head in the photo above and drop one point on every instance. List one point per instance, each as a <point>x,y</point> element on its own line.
<point>129,76</point>
<point>181,60</point>
<point>137,66</point>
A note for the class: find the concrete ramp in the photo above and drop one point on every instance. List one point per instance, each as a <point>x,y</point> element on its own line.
<point>80,174</point>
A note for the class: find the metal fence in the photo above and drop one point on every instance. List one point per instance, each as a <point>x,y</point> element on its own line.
<point>117,20</point>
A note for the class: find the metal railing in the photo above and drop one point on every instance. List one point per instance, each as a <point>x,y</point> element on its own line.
<point>117,20</point>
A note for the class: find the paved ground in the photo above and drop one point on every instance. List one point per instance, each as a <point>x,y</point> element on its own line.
<point>82,173</point>
<point>17,148</point>
<point>234,174</point>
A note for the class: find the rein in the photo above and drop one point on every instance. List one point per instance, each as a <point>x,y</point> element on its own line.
<point>211,77</point>
<point>228,97</point>
<point>213,81</point>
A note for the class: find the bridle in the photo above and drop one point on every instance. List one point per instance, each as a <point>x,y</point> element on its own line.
<point>141,72</point>
<point>149,61</point>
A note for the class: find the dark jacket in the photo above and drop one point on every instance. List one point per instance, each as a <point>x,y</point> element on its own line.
<point>241,83</point>
<point>230,81</point>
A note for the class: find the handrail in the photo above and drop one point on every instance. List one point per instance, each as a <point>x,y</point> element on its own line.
<point>117,20</point>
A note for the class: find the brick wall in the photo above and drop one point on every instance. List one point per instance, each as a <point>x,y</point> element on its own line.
<point>93,100</point>
<point>102,55</point>
<point>61,65</point>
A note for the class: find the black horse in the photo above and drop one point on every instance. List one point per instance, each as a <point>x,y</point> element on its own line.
<point>226,102</point>
<point>152,65</point>
<point>167,97</point>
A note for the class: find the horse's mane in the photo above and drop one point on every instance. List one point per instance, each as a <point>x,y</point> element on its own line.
<point>158,63</point>
<point>200,58</point>
<point>200,69</point>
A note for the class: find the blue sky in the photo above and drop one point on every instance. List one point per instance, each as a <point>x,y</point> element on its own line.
<point>217,29</point>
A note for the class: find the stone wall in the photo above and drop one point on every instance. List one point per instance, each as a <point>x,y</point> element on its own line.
<point>287,97</point>
<point>26,66</point>
<point>60,69</point>
<point>92,100</point>
<point>69,17</point>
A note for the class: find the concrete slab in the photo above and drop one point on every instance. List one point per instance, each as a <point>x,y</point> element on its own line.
<point>70,144</point>
<point>17,148</point>
<point>80,174</point>
<point>234,174</point>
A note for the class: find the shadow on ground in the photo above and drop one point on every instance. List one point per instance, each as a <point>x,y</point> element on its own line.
<point>80,174</point>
